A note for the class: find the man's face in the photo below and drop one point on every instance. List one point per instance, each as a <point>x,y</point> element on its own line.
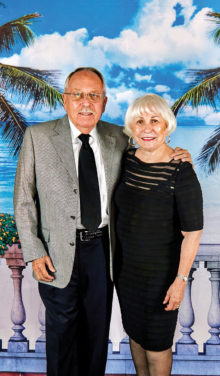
<point>84,113</point>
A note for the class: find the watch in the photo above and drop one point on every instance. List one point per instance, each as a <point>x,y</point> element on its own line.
<point>183,277</point>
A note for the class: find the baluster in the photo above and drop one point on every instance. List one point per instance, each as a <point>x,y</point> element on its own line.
<point>18,342</point>
<point>110,347</point>
<point>124,346</point>
<point>126,353</point>
<point>40,345</point>
<point>14,259</point>
<point>186,344</point>
<point>212,345</point>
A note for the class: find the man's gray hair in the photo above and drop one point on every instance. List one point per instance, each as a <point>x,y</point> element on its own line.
<point>149,103</point>
<point>81,69</point>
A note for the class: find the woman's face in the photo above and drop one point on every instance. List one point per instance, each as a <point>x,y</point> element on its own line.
<point>149,130</point>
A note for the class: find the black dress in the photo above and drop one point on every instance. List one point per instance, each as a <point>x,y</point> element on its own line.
<point>154,202</point>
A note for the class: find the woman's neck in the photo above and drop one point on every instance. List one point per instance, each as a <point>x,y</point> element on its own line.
<point>161,154</point>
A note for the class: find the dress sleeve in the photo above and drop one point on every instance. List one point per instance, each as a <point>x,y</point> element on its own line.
<point>188,196</point>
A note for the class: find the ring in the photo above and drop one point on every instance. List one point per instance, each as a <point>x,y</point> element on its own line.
<point>177,306</point>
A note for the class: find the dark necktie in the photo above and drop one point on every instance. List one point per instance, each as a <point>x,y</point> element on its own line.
<point>90,204</point>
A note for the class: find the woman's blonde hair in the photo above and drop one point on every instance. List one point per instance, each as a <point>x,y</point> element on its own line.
<point>149,103</point>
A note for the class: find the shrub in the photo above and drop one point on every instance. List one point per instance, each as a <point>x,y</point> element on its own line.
<point>8,232</point>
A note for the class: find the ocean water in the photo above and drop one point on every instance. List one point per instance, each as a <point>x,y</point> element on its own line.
<point>190,137</point>
<point>8,165</point>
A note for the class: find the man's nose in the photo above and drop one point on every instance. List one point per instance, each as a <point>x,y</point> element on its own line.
<point>85,99</point>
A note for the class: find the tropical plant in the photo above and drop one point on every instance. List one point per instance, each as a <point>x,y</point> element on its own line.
<point>37,86</point>
<point>204,89</point>
<point>8,232</point>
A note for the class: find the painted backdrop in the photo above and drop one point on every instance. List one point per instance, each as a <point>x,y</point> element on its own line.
<point>140,46</point>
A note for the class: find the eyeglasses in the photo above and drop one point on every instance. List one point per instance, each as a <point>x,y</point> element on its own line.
<point>92,97</point>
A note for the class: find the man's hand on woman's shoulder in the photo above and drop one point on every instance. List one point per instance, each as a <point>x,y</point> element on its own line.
<point>182,154</point>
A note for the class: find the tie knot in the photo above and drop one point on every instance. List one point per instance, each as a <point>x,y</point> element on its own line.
<point>84,138</point>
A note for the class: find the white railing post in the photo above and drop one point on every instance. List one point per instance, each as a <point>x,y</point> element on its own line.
<point>186,344</point>
<point>212,345</point>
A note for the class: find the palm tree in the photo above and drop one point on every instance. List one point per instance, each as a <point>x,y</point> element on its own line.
<point>204,89</point>
<point>37,86</point>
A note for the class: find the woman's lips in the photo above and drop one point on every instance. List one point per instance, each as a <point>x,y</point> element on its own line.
<point>148,138</point>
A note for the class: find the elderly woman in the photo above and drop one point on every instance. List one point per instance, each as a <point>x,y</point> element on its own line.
<point>159,224</point>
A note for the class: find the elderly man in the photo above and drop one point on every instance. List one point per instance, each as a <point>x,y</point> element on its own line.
<point>66,174</point>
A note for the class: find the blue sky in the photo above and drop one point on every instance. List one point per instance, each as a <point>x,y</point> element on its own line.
<point>139,45</point>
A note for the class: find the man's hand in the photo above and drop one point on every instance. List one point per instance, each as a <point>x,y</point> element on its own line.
<point>182,154</point>
<point>40,266</point>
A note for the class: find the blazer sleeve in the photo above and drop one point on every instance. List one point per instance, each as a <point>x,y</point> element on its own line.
<point>25,208</point>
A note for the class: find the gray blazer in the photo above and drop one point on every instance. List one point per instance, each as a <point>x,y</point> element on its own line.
<point>46,193</point>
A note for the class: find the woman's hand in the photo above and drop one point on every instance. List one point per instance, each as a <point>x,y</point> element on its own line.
<point>174,295</point>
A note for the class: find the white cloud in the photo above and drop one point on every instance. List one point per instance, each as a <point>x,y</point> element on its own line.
<point>140,78</point>
<point>150,42</point>
<point>119,99</point>
<point>169,99</point>
<point>162,88</point>
<point>206,113</point>
<point>213,118</point>
<point>187,10</point>
<point>43,114</point>
<point>64,52</point>
<point>182,74</point>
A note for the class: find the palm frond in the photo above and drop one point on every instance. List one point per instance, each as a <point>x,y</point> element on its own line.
<point>2,5</point>
<point>38,86</point>
<point>209,158</point>
<point>203,90</point>
<point>17,30</point>
<point>215,17</point>
<point>13,124</point>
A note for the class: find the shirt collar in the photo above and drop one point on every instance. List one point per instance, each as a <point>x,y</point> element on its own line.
<point>75,132</point>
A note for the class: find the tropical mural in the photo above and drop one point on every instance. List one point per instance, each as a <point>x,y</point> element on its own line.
<point>171,48</point>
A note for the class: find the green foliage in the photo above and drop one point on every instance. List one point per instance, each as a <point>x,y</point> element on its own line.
<point>215,17</point>
<point>8,232</point>
<point>17,31</point>
<point>209,158</point>
<point>13,124</point>
<point>30,85</point>
<point>204,89</point>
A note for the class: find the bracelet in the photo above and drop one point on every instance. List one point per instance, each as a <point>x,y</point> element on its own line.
<point>183,277</point>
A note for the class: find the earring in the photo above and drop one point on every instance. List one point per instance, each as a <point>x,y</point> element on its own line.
<point>168,139</point>
<point>131,142</point>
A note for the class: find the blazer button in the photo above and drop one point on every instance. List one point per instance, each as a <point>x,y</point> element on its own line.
<point>72,243</point>
<point>75,190</point>
<point>73,217</point>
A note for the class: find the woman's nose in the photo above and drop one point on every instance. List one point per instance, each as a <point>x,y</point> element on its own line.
<point>147,126</point>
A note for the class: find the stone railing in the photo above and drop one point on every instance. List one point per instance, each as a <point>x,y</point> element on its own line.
<point>187,360</point>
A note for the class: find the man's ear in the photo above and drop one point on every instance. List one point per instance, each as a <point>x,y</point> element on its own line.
<point>104,104</point>
<point>64,101</point>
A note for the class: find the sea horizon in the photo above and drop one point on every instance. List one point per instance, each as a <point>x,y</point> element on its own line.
<point>191,138</point>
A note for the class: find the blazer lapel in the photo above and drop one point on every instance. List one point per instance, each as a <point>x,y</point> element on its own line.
<point>62,142</point>
<point>107,143</point>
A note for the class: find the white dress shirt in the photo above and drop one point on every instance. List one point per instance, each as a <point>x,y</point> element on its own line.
<point>95,145</point>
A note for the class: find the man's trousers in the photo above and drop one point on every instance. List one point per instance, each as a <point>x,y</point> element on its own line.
<point>78,316</point>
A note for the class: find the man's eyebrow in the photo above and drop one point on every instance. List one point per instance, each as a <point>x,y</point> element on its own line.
<point>90,91</point>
